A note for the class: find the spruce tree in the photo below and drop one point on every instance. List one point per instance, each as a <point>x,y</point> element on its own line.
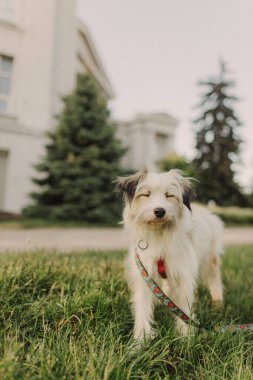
<point>81,161</point>
<point>217,143</point>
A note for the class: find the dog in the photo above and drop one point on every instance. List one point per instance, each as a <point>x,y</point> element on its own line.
<point>163,224</point>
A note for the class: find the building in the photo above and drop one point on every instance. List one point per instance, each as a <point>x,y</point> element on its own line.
<point>42,48</point>
<point>148,137</point>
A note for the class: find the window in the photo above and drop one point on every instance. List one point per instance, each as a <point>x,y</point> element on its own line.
<point>7,10</point>
<point>6,64</point>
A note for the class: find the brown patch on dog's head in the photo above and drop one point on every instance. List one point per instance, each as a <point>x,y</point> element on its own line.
<point>128,185</point>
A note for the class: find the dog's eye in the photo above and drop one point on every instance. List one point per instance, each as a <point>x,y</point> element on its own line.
<point>167,195</point>
<point>144,195</point>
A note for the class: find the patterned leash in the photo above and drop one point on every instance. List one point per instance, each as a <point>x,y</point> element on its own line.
<point>165,300</point>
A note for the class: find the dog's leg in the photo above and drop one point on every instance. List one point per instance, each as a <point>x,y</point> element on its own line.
<point>143,309</point>
<point>183,298</point>
<point>213,279</point>
<point>183,328</point>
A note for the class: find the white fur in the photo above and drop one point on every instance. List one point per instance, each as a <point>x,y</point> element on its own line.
<point>190,242</point>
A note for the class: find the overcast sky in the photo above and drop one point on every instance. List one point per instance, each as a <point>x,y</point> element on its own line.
<point>155,51</point>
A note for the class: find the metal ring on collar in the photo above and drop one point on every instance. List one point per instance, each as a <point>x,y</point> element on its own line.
<point>143,244</point>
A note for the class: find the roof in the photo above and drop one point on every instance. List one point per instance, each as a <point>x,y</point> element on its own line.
<point>88,54</point>
<point>157,117</point>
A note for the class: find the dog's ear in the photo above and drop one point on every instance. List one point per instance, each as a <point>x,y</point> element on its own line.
<point>188,194</point>
<point>128,185</point>
<point>188,191</point>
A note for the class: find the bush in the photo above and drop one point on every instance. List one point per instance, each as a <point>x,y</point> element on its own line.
<point>173,161</point>
<point>233,215</point>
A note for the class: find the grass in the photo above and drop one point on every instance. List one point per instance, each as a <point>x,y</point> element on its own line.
<point>67,316</point>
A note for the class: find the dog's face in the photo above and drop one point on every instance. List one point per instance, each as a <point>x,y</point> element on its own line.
<point>156,200</point>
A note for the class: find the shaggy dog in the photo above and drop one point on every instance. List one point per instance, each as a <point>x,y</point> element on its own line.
<point>164,225</point>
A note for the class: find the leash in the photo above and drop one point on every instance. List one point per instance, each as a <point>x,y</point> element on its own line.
<point>165,300</point>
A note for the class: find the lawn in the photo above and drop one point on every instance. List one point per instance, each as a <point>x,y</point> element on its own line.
<point>68,317</point>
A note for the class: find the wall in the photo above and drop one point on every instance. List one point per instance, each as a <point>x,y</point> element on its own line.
<point>42,40</point>
<point>148,137</point>
<point>23,149</point>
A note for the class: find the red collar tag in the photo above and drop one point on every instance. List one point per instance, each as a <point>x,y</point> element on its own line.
<point>161,268</point>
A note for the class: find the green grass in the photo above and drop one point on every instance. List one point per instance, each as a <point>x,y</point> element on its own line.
<point>68,317</point>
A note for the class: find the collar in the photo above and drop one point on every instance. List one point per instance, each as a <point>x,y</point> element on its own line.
<point>161,268</point>
<point>143,245</point>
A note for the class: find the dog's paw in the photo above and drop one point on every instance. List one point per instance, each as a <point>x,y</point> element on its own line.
<point>184,329</point>
<point>216,295</point>
<point>217,304</point>
<point>145,335</point>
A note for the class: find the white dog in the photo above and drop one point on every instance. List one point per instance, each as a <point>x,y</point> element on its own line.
<point>188,239</point>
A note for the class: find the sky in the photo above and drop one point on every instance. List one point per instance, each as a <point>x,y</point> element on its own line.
<point>156,51</point>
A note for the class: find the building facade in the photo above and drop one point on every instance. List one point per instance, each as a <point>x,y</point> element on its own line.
<point>42,48</point>
<point>148,138</point>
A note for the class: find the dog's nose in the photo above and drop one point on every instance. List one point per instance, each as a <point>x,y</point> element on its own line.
<point>159,212</point>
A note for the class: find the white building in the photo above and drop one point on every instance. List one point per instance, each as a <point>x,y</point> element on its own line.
<point>42,48</point>
<point>149,138</point>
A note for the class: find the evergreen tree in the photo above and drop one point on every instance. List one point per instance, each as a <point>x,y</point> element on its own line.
<point>217,143</point>
<point>81,161</point>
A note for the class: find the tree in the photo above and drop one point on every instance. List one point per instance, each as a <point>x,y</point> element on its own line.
<point>173,161</point>
<point>217,143</point>
<point>81,161</point>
